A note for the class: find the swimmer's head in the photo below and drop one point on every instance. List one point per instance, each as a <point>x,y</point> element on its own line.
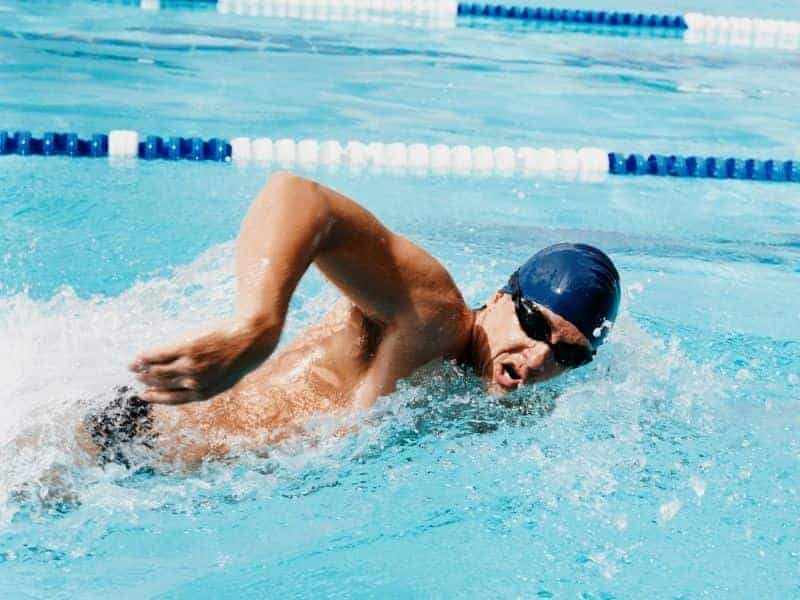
<point>553,314</point>
<point>577,282</point>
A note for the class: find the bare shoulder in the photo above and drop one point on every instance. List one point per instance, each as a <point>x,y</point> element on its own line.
<point>437,308</point>
<point>394,282</point>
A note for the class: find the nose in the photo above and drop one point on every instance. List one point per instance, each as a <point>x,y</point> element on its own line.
<point>537,358</point>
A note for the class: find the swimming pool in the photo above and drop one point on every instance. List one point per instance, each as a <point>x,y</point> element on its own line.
<point>669,467</point>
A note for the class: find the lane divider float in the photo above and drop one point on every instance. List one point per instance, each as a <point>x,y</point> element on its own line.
<point>742,31</point>
<point>589,163</point>
<point>564,15</point>
<point>424,13</point>
<point>695,27</point>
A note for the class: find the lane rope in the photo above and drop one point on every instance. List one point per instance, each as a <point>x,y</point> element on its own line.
<point>695,27</point>
<point>742,31</point>
<point>420,13</point>
<point>564,15</point>
<point>589,163</point>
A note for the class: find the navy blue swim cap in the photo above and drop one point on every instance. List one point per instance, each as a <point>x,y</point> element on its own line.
<point>576,281</point>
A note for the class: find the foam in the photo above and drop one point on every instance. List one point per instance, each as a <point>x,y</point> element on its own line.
<point>67,353</point>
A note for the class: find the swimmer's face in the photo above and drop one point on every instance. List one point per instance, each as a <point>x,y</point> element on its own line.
<point>510,357</point>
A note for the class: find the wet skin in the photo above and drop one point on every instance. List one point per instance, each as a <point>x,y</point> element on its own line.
<point>401,311</point>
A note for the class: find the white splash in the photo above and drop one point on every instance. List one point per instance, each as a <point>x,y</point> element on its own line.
<point>67,353</point>
<point>668,510</point>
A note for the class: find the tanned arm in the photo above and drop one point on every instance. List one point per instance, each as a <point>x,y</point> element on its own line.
<point>292,223</point>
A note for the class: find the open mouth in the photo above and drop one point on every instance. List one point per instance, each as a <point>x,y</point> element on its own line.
<point>507,376</point>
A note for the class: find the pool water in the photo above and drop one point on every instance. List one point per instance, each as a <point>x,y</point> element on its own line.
<point>669,467</point>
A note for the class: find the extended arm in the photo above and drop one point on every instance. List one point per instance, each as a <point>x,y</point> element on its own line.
<point>292,223</point>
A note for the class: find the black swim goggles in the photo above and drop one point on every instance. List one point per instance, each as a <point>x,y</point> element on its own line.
<point>537,327</point>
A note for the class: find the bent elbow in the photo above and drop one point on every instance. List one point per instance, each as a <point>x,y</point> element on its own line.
<point>282,182</point>
<point>288,192</point>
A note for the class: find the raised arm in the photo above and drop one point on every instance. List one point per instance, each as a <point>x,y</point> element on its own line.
<point>292,223</point>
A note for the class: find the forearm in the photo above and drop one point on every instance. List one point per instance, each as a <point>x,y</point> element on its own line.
<point>278,239</point>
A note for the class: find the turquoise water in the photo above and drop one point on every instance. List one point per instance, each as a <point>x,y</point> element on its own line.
<point>668,468</point>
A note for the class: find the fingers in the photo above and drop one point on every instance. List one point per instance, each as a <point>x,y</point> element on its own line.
<point>177,374</point>
<point>161,396</point>
<point>179,382</point>
<point>159,356</point>
<point>175,369</point>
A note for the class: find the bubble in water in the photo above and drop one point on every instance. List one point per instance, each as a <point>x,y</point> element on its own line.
<point>668,510</point>
<point>698,486</point>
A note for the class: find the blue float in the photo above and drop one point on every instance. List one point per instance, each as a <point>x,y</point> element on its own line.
<point>71,146</point>
<point>52,143</point>
<point>676,166</point>
<point>775,170</point>
<point>172,148</point>
<point>696,166</point>
<point>754,169</point>
<point>98,147</point>
<point>196,150</point>
<point>218,149</point>
<point>22,142</point>
<point>616,163</point>
<point>715,167</point>
<point>657,165</point>
<point>636,164</point>
<point>531,13</point>
<point>36,145</point>
<point>793,171</point>
<point>735,168</point>
<point>6,146</point>
<point>151,148</point>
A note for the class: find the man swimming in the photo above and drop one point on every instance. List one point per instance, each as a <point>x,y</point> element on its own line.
<point>401,311</point>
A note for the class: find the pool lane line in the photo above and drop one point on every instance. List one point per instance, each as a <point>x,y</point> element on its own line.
<point>124,144</point>
<point>564,15</point>
<point>693,27</point>
<point>582,28</point>
<point>742,31</point>
<point>713,167</point>
<point>418,13</point>
<point>586,163</point>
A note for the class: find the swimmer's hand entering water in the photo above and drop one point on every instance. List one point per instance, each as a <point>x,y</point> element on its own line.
<point>205,366</point>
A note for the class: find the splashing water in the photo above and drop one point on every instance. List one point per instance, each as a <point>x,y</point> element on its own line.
<point>577,442</point>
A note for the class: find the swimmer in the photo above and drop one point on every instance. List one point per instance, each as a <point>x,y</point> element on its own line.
<point>401,311</point>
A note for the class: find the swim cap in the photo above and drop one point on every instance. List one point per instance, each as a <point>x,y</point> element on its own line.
<point>576,281</point>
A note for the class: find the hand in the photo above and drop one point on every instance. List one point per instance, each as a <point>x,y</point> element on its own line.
<point>205,366</point>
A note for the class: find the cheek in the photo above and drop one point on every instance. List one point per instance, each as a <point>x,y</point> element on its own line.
<point>552,371</point>
<point>540,360</point>
<point>512,336</point>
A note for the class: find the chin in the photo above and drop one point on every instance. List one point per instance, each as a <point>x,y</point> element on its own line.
<point>496,388</point>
